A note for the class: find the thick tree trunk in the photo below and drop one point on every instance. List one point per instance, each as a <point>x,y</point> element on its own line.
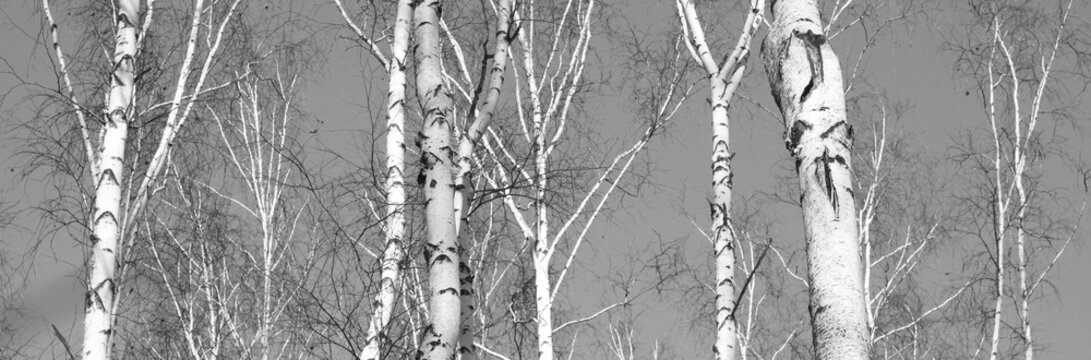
<point>394,254</point>
<point>106,226</point>
<point>440,335</point>
<point>805,77</point>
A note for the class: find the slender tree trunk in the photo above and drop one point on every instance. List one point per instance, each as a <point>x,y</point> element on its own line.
<point>440,335</point>
<point>722,228</point>
<point>467,144</point>
<point>805,78</point>
<point>1024,286</point>
<point>723,81</point>
<point>383,306</point>
<point>541,254</point>
<point>266,283</point>
<point>106,226</point>
<point>999,215</point>
<point>542,286</point>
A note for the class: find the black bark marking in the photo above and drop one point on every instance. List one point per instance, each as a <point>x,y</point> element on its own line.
<point>105,173</point>
<point>105,214</point>
<point>429,249</point>
<point>826,134</point>
<point>451,290</point>
<point>124,20</point>
<point>824,175</point>
<point>813,44</point>
<point>795,135</point>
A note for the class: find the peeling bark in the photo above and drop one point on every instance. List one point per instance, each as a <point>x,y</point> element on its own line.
<point>805,78</point>
<point>440,335</point>
<point>98,322</point>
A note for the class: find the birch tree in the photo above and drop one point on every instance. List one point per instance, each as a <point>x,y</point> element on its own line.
<point>483,111</point>
<point>394,251</point>
<point>805,78</point>
<point>1015,68</point>
<point>115,209</point>
<point>256,142</point>
<point>549,76</point>
<point>483,105</point>
<point>107,167</point>
<point>440,334</point>
<point>724,79</point>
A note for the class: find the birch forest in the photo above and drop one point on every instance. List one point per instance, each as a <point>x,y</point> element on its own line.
<point>545,179</point>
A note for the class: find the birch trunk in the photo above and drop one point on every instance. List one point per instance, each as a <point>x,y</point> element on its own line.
<point>383,306</point>
<point>999,216</point>
<point>722,228</point>
<point>106,227</point>
<point>542,287</point>
<point>805,78</point>
<point>541,255</point>
<point>723,81</point>
<point>440,335</point>
<point>465,193</point>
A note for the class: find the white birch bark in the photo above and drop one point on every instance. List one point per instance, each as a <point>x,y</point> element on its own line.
<point>723,81</point>
<point>178,113</point>
<point>440,335</point>
<point>394,253</point>
<point>261,133</point>
<point>1000,216</point>
<point>106,158</point>
<point>106,217</point>
<point>805,78</point>
<point>540,256</point>
<point>464,185</point>
<point>1023,125</point>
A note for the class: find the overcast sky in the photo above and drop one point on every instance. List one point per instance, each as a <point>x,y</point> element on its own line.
<point>909,67</point>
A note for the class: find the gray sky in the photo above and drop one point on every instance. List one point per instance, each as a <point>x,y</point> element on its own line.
<point>910,67</point>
